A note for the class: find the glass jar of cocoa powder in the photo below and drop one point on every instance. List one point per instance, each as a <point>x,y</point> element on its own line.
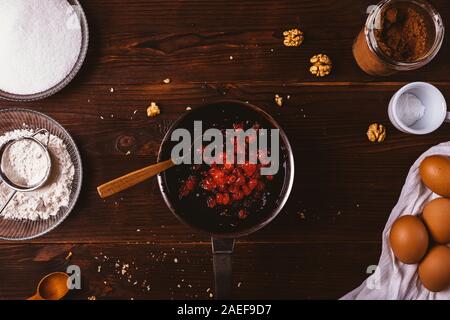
<point>399,35</point>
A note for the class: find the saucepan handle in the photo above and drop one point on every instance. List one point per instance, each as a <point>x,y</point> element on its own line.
<point>222,250</point>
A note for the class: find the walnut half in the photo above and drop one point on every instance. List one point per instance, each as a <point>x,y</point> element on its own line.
<point>293,38</point>
<point>321,65</point>
<point>376,132</point>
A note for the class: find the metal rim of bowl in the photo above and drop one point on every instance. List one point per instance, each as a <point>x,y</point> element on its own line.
<point>76,68</point>
<point>289,177</point>
<point>80,178</point>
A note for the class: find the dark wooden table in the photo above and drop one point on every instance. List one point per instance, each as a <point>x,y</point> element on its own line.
<point>329,232</point>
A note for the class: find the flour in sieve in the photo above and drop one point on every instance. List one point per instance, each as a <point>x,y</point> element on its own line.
<point>55,194</point>
<point>24,163</point>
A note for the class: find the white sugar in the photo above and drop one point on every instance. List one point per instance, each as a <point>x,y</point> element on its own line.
<point>40,44</point>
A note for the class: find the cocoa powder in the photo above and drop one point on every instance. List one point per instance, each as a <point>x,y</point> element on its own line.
<point>404,34</point>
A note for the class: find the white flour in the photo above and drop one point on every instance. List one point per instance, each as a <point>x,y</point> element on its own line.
<point>40,44</point>
<point>24,163</point>
<point>55,194</point>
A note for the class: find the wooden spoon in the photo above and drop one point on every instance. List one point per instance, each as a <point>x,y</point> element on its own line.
<point>133,178</point>
<point>52,287</point>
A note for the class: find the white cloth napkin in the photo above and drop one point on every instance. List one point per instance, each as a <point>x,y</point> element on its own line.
<point>392,279</point>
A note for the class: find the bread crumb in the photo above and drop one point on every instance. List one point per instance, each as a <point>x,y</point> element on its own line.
<point>166,81</point>
<point>92,298</point>
<point>69,255</point>
<point>279,100</point>
<point>153,110</point>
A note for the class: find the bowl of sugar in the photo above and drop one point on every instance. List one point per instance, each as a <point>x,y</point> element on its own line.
<point>40,55</point>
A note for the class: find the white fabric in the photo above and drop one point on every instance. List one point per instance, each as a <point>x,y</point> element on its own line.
<point>397,280</point>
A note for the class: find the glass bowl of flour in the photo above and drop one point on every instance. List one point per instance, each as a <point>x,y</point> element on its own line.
<point>33,214</point>
<point>42,55</point>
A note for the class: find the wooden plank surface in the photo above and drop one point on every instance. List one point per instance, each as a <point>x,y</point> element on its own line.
<point>147,41</point>
<point>344,188</point>
<point>150,271</point>
<point>345,185</point>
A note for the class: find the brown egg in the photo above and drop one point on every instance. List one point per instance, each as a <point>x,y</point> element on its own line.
<point>409,239</point>
<point>435,173</point>
<point>436,216</point>
<point>434,270</point>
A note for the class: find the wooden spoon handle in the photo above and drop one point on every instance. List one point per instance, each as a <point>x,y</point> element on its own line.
<point>132,179</point>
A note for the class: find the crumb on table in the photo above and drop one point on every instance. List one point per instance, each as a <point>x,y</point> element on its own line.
<point>153,110</point>
<point>279,100</point>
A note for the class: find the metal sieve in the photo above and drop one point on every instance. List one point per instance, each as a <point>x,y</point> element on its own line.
<point>17,186</point>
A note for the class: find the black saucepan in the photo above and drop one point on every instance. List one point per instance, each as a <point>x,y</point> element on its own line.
<point>190,213</point>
